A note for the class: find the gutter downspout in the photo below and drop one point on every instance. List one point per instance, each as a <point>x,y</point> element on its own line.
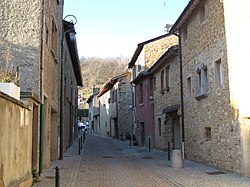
<point>182,100</point>
<point>62,92</point>
<point>62,97</point>
<point>133,109</point>
<point>42,91</point>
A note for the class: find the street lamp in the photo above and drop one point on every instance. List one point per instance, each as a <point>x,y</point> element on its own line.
<point>71,32</point>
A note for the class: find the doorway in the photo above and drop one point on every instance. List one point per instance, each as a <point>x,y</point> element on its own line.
<point>142,133</point>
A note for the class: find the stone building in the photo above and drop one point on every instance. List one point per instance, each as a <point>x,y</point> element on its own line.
<point>215,68</point>
<point>30,42</point>
<point>94,114</point>
<point>165,79</point>
<point>115,107</point>
<point>30,38</point>
<point>16,142</point>
<point>72,79</point>
<point>146,54</point>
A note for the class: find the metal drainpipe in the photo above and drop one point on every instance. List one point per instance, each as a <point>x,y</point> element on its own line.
<point>62,97</point>
<point>133,109</point>
<point>182,100</point>
<point>42,90</point>
<point>61,92</point>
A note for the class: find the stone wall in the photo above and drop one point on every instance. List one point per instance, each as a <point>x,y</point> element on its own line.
<point>70,105</point>
<point>154,50</point>
<point>105,117</point>
<point>211,112</point>
<point>20,40</point>
<point>164,100</point>
<point>124,99</point>
<point>16,142</point>
<point>21,46</point>
<point>237,17</point>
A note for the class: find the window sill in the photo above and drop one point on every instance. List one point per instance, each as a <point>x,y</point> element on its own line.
<point>202,96</point>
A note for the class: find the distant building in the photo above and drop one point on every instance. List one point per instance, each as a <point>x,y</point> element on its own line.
<point>146,54</point>
<point>165,79</point>
<point>94,114</point>
<point>115,107</point>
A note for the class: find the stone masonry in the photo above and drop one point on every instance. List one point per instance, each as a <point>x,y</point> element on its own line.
<point>164,99</point>
<point>124,99</point>
<point>23,40</point>
<point>213,129</point>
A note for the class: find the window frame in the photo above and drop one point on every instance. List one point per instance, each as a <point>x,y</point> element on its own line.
<point>219,78</point>
<point>184,33</point>
<point>140,93</point>
<point>159,126</point>
<point>162,79</point>
<point>202,87</point>
<point>154,83</point>
<point>208,134</point>
<point>202,14</point>
<point>189,87</point>
<point>167,77</point>
<point>54,38</point>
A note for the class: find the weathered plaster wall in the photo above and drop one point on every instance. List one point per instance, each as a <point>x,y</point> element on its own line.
<point>144,113</point>
<point>16,142</point>
<point>20,40</point>
<point>237,17</point>
<point>105,129</point>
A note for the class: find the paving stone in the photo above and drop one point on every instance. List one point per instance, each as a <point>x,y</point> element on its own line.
<point>108,162</point>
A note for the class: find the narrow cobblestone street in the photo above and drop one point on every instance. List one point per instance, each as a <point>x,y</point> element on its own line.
<point>106,162</point>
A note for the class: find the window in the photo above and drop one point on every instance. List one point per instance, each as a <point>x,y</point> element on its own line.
<point>207,133</point>
<point>202,14</point>
<point>159,126</point>
<point>65,90</point>
<point>114,96</point>
<point>162,79</point>
<point>134,73</point>
<point>140,93</point>
<point>189,87</point>
<point>47,35</point>
<point>58,2</point>
<point>54,38</point>
<point>202,76</point>
<point>167,77</point>
<point>154,83</point>
<point>218,73</point>
<point>184,33</point>
<point>139,68</point>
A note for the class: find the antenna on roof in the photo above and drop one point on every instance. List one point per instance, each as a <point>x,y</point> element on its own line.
<point>163,12</point>
<point>167,27</point>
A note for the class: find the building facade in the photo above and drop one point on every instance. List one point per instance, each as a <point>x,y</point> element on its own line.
<point>72,80</point>
<point>31,44</point>
<point>115,107</point>
<point>94,114</point>
<point>146,54</point>
<point>165,79</point>
<point>214,78</point>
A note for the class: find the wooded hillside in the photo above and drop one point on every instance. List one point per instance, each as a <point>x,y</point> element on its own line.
<point>98,71</point>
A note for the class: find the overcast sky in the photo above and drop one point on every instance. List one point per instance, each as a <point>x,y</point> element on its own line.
<point>111,28</point>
